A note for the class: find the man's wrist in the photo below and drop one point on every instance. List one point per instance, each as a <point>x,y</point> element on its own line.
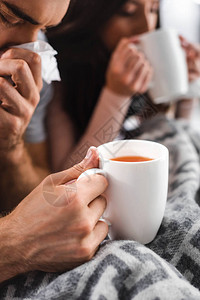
<point>12,261</point>
<point>13,155</point>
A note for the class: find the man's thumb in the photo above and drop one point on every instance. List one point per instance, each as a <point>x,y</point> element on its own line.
<point>91,160</point>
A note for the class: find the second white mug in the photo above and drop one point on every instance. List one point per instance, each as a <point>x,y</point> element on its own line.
<point>163,50</point>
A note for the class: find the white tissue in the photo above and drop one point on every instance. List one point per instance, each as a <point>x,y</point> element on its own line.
<point>50,70</point>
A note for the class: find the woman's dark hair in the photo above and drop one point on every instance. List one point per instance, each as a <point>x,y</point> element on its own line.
<point>82,57</point>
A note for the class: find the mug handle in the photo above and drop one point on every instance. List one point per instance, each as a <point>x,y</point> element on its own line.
<point>90,172</point>
<point>87,174</point>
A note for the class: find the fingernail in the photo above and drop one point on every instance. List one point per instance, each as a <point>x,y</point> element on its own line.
<point>89,154</point>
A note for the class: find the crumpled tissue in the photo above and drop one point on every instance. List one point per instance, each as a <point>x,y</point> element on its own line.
<point>50,70</point>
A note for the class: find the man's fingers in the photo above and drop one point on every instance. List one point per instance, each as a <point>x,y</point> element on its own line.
<point>33,60</point>
<point>90,161</point>
<point>97,208</point>
<point>12,101</point>
<point>90,244</point>
<point>97,236</point>
<point>100,232</point>
<point>90,187</point>
<point>21,75</point>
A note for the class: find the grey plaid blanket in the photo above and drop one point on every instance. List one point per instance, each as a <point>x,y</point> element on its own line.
<point>167,268</point>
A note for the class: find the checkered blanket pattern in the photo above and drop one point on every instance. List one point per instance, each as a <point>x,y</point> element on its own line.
<point>168,268</point>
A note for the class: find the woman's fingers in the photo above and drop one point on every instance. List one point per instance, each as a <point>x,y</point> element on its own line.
<point>192,50</point>
<point>138,73</point>
<point>193,60</point>
<point>121,47</point>
<point>141,75</point>
<point>124,46</point>
<point>131,72</point>
<point>147,80</point>
<point>134,39</point>
<point>129,55</point>
<point>127,70</point>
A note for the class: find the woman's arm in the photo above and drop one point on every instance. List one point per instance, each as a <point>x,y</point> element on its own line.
<point>104,125</point>
<point>128,73</point>
<point>185,106</point>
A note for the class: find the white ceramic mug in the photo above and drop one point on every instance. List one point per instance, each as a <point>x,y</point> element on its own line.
<point>137,191</point>
<point>163,49</point>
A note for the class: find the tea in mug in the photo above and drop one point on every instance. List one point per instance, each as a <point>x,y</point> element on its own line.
<point>131,158</point>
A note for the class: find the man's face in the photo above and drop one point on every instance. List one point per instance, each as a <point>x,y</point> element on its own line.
<point>21,20</point>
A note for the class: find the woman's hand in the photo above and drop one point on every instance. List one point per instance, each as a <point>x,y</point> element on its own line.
<point>193,58</point>
<point>128,72</point>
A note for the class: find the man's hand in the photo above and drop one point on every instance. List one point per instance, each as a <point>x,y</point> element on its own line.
<point>20,85</point>
<point>57,226</point>
<point>19,99</point>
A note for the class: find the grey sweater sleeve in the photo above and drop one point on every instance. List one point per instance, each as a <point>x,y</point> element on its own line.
<point>36,130</point>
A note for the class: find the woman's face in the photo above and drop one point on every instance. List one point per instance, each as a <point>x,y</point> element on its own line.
<point>135,17</point>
